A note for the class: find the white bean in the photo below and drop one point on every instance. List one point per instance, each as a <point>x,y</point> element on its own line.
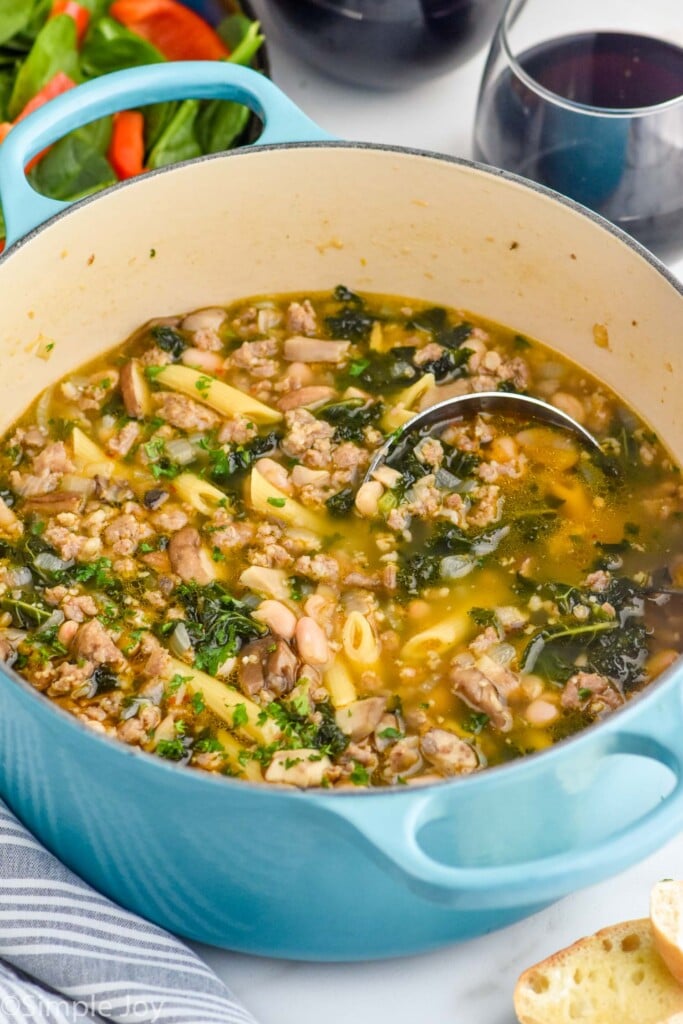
<point>66,632</point>
<point>387,476</point>
<point>367,498</point>
<point>300,375</point>
<point>311,641</point>
<point>277,617</point>
<point>541,712</point>
<point>504,448</point>
<point>570,404</point>
<point>212,362</point>
<point>204,319</point>
<point>533,686</point>
<point>276,474</point>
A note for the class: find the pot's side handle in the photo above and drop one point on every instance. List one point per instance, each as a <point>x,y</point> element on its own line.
<point>394,842</point>
<point>24,209</point>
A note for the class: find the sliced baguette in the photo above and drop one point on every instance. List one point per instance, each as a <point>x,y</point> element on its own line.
<point>666,915</point>
<point>613,977</point>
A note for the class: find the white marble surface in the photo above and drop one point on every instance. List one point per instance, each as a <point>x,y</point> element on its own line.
<point>471,983</point>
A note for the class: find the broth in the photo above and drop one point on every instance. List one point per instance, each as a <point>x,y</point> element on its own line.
<point>190,562</point>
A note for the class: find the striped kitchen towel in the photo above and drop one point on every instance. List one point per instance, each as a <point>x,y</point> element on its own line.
<point>68,954</point>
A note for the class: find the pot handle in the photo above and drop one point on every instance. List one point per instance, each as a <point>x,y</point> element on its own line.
<point>25,209</point>
<point>394,842</point>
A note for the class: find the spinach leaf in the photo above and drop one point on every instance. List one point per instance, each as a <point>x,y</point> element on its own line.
<point>158,117</point>
<point>242,36</point>
<point>15,15</point>
<point>54,50</point>
<point>109,46</point>
<point>72,168</point>
<point>178,141</point>
<point>218,624</point>
<point>219,124</point>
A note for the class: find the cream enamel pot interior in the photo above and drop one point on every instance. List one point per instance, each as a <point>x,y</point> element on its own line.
<point>317,875</point>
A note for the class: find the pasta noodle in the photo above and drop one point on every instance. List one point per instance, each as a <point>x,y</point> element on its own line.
<point>269,500</point>
<point>224,700</point>
<point>216,394</point>
<point>440,637</point>
<point>400,411</point>
<point>202,495</point>
<point>359,641</point>
<point>339,684</point>
<point>263,580</point>
<point>232,748</point>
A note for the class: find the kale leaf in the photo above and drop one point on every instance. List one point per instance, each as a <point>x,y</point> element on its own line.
<point>615,648</point>
<point>227,461</point>
<point>435,322</point>
<point>170,340</point>
<point>351,417</point>
<point>386,370</point>
<point>218,623</point>
<point>339,505</point>
<point>352,322</point>
<point>449,365</point>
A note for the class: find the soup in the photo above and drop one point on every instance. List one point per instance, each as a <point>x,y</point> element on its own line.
<point>192,562</point>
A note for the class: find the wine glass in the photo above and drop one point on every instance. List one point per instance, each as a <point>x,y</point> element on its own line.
<point>385,44</point>
<point>587,98</point>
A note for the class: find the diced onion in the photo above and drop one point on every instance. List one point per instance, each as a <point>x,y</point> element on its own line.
<point>19,577</point>
<point>181,451</point>
<point>51,563</point>
<point>56,619</point>
<point>81,484</point>
<point>501,653</point>
<point>446,481</point>
<point>180,642</point>
<point>455,566</point>
<point>43,408</point>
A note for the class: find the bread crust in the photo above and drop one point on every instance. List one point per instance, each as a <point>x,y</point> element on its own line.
<point>601,973</point>
<point>666,903</point>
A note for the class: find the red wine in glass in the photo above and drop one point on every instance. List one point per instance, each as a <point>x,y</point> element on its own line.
<point>597,116</point>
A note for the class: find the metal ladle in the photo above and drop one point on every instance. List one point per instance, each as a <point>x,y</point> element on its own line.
<point>453,409</point>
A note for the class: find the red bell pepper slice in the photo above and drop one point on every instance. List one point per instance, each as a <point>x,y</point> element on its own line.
<point>81,15</point>
<point>176,31</point>
<point>126,151</point>
<point>58,84</point>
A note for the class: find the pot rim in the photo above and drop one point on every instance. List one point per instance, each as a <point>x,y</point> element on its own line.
<point>519,766</point>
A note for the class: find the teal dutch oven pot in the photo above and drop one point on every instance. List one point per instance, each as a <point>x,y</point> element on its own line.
<point>270,870</point>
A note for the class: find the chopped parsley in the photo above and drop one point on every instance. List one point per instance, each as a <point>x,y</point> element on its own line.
<point>359,776</point>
